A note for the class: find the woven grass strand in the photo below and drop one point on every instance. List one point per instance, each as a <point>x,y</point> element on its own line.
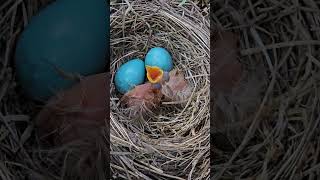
<point>174,141</point>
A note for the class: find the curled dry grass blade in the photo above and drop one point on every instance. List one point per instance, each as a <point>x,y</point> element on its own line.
<point>278,140</point>
<point>173,144</point>
<point>173,141</point>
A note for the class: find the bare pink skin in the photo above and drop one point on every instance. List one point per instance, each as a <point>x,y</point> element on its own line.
<point>141,98</point>
<point>77,112</point>
<point>177,87</point>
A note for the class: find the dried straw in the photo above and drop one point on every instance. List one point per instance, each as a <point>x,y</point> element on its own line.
<point>280,139</point>
<point>173,142</point>
<point>17,139</point>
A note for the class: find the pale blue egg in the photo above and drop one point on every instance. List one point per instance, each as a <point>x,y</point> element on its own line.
<point>160,57</point>
<point>129,75</point>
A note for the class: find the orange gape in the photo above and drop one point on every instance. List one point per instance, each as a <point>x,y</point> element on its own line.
<point>154,74</point>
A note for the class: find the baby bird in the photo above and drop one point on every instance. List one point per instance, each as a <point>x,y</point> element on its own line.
<point>236,91</point>
<point>172,85</point>
<point>73,112</point>
<point>162,85</point>
<point>141,99</point>
<point>176,87</point>
<point>145,97</point>
<point>76,119</point>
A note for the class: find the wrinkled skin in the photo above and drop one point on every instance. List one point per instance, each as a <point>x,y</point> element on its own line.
<point>142,98</point>
<point>148,96</point>
<point>76,118</point>
<point>176,88</point>
<point>75,111</point>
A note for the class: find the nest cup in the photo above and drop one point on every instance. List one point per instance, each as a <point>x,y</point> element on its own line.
<point>172,142</point>
<point>19,142</point>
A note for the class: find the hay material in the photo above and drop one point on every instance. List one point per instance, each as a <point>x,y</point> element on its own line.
<point>280,140</point>
<point>21,156</point>
<point>173,141</point>
<point>17,140</point>
<point>180,148</point>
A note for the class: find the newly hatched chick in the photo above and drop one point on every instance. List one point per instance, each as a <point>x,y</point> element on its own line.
<point>75,119</point>
<point>84,106</point>
<point>145,97</point>
<point>162,85</point>
<point>227,73</point>
<point>141,99</point>
<point>173,84</point>
<point>176,88</point>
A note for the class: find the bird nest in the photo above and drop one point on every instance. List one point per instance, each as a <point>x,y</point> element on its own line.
<point>280,139</point>
<point>173,141</point>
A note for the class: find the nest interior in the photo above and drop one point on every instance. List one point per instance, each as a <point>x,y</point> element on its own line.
<point>174,142</point>
<point>279,140</point>
<point>22,156</point>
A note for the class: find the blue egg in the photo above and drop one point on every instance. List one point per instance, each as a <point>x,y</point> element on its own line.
<point>129,75</point>
<point>70,35</point>
<point>160,57</point>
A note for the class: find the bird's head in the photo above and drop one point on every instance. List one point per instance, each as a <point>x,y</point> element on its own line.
<point>154,74</point>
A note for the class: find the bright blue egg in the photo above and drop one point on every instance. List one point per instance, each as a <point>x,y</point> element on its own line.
<point>71,35</point>
<point>129,75</point>
<point>159,57</point>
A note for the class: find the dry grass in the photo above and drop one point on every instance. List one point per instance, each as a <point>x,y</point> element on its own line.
<point>21,156</point>
<point>174,141</point>
<point>172,144</point>
<point>17,141</point>
<point>281,139</point>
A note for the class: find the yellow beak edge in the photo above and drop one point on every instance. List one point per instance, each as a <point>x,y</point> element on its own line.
<point>154,74</point>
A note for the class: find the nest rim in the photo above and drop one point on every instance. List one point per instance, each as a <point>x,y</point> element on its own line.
<point>184,32</point>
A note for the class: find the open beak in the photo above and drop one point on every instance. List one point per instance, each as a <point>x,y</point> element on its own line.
<point>154,74</point>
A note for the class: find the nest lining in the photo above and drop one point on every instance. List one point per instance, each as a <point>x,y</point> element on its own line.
<point>172,142</point>
<point>279,139</point>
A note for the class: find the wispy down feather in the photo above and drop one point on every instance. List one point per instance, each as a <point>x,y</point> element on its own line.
<point>141,99</point>
<point>177,87</point>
